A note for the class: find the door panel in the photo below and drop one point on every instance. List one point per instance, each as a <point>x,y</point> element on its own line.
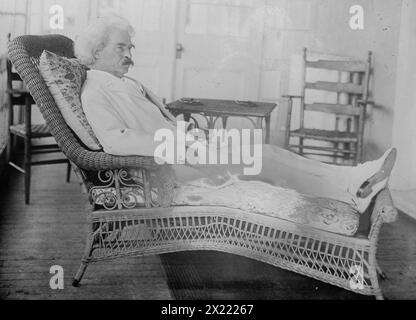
<point>222,49</point>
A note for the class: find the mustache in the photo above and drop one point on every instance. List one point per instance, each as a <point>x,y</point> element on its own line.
<point>127,61</point>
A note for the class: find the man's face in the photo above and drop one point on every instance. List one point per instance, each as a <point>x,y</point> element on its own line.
<point>115,57</point>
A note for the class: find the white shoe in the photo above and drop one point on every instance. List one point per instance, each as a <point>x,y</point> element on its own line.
<point>368,178</point>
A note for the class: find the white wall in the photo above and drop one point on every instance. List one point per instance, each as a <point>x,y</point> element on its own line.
<point>331,33</point>
<point>12,19</point>
<point>404,125</point>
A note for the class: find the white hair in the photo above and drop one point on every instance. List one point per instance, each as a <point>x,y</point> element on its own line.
<point>95,36</point>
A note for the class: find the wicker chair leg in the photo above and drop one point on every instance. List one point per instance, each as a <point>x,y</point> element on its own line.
<point>84,263</point>
<point>373,274</point>
<point>80,273</point>
<point>379,296</point>
<point>376,286</point>
<point>380,272</point>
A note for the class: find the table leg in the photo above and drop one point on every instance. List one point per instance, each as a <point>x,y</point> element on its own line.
<point>186,117</point>
<point>268,129</point>
<point>224,122</point>
<point>174,112</point>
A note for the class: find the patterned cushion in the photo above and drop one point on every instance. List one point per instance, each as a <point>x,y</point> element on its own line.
<point>262,198</point>
<point>64,78</point>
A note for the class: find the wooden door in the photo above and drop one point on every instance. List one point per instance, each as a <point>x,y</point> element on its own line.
<point>219,49</point>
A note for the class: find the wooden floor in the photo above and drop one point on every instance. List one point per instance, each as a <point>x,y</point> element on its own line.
<point>51,231</point>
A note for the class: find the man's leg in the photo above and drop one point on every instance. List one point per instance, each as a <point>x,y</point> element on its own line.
<point>354,185</point>
<point>279,167</point>
<point>283,168</point>
<point>286,169</point>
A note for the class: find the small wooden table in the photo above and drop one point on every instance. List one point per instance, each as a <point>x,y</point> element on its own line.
<point>212,110</point>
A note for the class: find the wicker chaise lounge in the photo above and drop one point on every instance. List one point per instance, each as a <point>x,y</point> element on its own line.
<point>120,224</point>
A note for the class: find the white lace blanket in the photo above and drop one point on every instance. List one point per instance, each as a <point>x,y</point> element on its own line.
<point>263,198</point>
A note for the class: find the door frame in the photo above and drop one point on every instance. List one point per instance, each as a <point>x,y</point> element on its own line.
<point>171,36</point>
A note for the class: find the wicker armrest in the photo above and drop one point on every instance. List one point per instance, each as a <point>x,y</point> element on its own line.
<point>84,158</point>
<point>97,161</point>
<point>384,207</point>
<point>383,212</point>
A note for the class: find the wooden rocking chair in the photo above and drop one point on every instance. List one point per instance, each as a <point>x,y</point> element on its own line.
<point>344,144</point>
<point>125,217</point>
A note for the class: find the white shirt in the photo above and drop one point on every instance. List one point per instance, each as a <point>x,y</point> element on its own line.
<point>121,116</point>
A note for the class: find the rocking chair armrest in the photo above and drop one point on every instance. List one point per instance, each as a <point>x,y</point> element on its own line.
<point>365,102</point>
<point>291,96</point>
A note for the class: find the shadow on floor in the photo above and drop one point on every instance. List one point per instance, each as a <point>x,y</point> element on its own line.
<point>215,275</point>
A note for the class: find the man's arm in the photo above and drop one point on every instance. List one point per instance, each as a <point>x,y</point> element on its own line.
<point>111,131</point>
<point>159,103</point>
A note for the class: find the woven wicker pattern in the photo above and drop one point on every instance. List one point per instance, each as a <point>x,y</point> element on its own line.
<point>347,262</point>
<point>37,130</point>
